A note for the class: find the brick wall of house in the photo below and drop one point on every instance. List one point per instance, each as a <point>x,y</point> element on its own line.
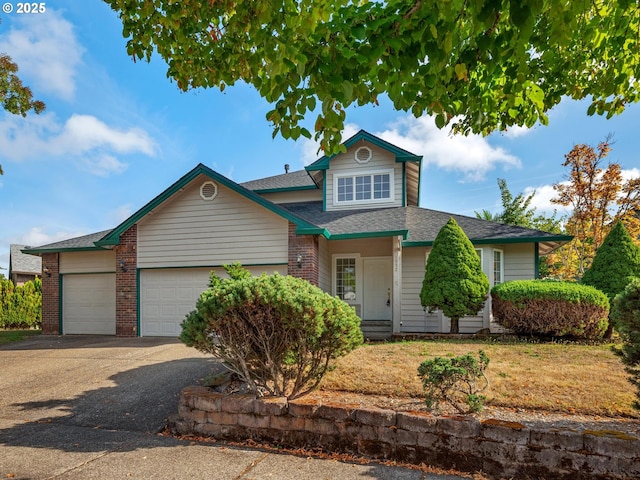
<point>51,294</point>
<point>307,246</point>
<point>126,285</point>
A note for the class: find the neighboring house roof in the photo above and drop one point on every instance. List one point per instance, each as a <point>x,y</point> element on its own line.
<point>22,263</point>
<point>298,180</point>
<point>86,242</point>
<point>418,226</point>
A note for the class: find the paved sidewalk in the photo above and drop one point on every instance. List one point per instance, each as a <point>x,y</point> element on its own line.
<point>90,408</point>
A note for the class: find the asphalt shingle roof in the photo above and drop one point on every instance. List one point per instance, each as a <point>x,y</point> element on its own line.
<point>85,241</point>
<point>297,179</point>
<point>422,224</point>
<point>22,263</point>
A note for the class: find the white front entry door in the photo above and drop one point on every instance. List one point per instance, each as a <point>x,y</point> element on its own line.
<point>378,277</point>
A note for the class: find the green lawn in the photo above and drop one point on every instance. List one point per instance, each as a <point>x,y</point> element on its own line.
<point>8,336</point>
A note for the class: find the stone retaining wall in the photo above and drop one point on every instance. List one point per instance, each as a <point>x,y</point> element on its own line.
<point>495,447</point>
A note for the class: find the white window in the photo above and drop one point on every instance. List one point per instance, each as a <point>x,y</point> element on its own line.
<point>346,278</point>
<point>498,266</point>
<point>364,187</point>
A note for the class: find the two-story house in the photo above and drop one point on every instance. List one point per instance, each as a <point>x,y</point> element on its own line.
<point>350,223</point>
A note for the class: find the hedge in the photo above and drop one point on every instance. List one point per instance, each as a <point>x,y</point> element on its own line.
<point>20,306</point>
<point>542,307</point>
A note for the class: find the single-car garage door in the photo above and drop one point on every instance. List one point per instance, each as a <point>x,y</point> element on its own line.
<point>168,294</point>
<point>89,304</point>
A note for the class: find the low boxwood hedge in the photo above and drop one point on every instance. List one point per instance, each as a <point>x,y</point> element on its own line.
<point>540,307</point>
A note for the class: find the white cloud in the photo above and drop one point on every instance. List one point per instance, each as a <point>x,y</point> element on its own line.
<point>46,51</point>
<point>38,236</point>
<point>471,155</point>
<point>120,214</point>
<point>516,131</point>
<point>84,138</point>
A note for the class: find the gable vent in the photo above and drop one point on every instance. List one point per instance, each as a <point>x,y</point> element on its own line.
<point>363,155</point>
<point>208,191</point>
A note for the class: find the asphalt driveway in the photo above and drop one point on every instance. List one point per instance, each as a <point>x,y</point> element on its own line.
<point>90,407</point>
<point>99,382</point>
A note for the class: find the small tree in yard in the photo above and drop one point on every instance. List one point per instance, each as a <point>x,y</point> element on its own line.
<point>455,379</point>
<point>278,333</point>
<point>453,279</point>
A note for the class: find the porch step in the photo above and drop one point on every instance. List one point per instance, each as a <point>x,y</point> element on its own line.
<point>376,329</point>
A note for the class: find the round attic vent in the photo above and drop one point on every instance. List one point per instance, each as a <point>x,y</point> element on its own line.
<point>208,191</point>
<point>363,155</point>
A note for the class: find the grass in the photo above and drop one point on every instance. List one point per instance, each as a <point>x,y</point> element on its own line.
<point>8,336</point>
<point>583,379</point>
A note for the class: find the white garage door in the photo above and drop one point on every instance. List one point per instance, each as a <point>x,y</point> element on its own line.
<point>89,304</point>
<point>168,294</point>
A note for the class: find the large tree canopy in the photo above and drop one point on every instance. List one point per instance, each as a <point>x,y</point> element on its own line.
<point>481,64</point>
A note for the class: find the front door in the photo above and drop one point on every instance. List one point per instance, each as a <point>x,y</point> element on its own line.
<point>378,277</point>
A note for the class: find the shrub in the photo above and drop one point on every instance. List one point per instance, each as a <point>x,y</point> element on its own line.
<point>455,380</point>
<point>616,261</point>
<point>541,307</point>
<point>626,312</point>
<point>453,278</point>
<point>278,333</point>
<point>20,306</point>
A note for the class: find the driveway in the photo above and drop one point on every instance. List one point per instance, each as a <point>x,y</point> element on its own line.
<point>85,407</point>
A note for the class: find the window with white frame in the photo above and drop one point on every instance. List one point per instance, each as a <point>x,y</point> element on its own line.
<point>364,187</point>
<point>346,278</point>
<point>498,266</point>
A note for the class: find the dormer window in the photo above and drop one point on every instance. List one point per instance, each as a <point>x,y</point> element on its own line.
<point>369,187</point>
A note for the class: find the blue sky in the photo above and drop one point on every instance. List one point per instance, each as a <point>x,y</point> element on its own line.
<point>116,133</point>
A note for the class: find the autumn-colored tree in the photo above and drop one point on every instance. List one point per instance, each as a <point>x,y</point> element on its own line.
<point>480,65</point>
<point>599,197</point>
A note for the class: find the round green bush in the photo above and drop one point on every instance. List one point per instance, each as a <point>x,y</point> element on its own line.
<point>542,307</point>
<point>278,333</point>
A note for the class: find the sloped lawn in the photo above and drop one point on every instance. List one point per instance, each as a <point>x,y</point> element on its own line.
<point>569,378</point>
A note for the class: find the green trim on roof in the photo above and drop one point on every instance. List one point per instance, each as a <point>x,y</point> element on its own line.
<point>32,251</point>
<point>388,233</point>
<point>499,240</point>
<point>313,231</point>
<point>400,154</point>
<point>113,238</point>
<point>286,189</point>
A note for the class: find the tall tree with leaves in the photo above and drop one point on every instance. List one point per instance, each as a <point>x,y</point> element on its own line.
<point>518,211</point>
<point>453,278</point>
<point>483,65</point>
<point>599,197</point>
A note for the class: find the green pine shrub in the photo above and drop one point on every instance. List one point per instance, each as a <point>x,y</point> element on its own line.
<point>549,308</point>
<point>278,333</point>
<point>616,261</point>
<point>456,381</point>
<point>626,314</point>
<point>20,306</point>
<point>453,279</point>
